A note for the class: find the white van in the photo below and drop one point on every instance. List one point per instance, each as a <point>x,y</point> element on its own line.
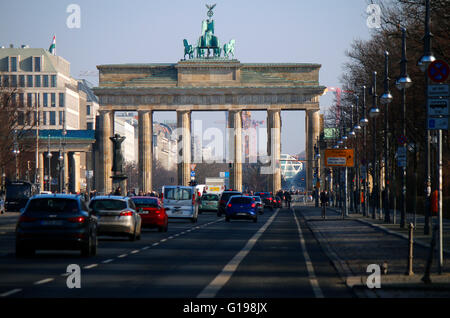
<point>181,202</point>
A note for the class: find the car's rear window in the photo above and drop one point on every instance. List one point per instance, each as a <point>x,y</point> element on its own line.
<point>263,195</point>
<point>145,202</point>
<point>241,200</point>
<point>52,205</point>
<point>178,194</point>
<point>226,196</point>
<point>108,204</point>
<point>210,197</point>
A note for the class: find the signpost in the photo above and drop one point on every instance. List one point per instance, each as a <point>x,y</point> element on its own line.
<point>339,157</point>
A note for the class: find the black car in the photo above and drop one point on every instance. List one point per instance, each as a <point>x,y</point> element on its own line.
<point>278,203</point>
<point>224,197</point>
<point>267,199</point>
<point>56,222</point>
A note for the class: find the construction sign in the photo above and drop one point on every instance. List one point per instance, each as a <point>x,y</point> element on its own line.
<point>339,157</point>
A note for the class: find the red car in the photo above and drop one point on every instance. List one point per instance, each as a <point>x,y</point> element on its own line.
<point>152,212</point>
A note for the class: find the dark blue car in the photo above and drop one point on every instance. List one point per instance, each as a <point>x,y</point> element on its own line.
<point>241,207</point>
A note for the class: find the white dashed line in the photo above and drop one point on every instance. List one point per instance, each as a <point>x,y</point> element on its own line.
<point>11,292</point>
<point>145,248</point>
<point>135,251</point>
<point>107,261</point>
<point>163,240</point>
<point>90,266</point>
<point>154,244</point>
<point>122,256</point>
<point>44,281</point>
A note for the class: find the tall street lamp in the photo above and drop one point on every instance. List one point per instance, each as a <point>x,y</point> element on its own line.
<point>403,82</point>
<point>373,114</point>
<point>16,153</point>
<point>423,63</point>
<point>364,122</point>
<point>386,99</point>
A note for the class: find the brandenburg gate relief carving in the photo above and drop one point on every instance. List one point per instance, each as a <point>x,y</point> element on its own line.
<point>205,82</point>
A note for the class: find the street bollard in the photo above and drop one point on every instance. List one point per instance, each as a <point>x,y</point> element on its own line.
<point>411,250</point>
<point>426,277</point>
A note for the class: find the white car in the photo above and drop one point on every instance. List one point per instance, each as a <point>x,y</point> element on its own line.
<point>181,202</point>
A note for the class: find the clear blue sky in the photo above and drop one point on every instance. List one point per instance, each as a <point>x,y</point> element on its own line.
<point>151,31</point>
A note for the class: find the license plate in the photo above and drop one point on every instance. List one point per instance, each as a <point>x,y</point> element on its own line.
<point>52,222</point>
<point>177,212</point>
<point>143,212</point>
<point>241,213</point>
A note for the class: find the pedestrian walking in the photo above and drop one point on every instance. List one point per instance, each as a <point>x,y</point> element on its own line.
<point>324,198</point>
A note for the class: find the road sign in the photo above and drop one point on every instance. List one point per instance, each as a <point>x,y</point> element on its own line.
<point>438,71</point>
<point>193,165</point>
<point>339,157</point>
<point>435,123</point>
<point>192,173</point>
<point>401,156</point>
<point>440,90</point>
<point>438,107</point>
<point>402,140</point>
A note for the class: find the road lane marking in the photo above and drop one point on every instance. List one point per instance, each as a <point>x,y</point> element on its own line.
<point>222,278</point>
<point>163,240</point>
<point>11,292</point>
<point>107,261</point>
<point>135,251</point>
<point>145,248</point>
<point>90,266</point>
<point>155,244</point>
<point>43,281</point>
<point>122,256</point>
<point>309,266</point>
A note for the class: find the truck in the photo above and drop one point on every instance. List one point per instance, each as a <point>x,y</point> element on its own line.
<point>17,194</point>
<point>214,185</point>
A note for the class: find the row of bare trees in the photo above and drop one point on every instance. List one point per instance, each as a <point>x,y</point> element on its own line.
<point>367,56</point>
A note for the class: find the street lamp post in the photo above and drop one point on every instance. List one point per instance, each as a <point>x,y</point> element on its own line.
<point>364,122</point>
<point>16,153</point>
<point>357,128</point>
<point>374,113</point>
<point>403,82</point>
<point>49,157</point>
<point>386,99</point>
<point>426,59</point>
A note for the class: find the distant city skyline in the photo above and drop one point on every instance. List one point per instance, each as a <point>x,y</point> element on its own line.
<point>115,32</point>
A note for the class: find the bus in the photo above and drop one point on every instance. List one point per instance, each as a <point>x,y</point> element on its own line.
<point>17,194</point>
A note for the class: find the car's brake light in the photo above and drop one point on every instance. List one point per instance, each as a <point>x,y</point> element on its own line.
<point>270,199</point>
<point>78,219</point>
<point>253,205</point>
<point>193,199</point>
<point>229,205</point>
<point>24,218</point>
<point>126,213</point>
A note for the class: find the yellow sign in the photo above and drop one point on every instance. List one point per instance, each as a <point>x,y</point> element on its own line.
<point>339,157</point>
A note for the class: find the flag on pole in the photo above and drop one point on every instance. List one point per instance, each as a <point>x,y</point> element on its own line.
<point>52,47</point>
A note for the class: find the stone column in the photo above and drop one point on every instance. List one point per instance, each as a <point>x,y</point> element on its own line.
<point>77,172</point>
<point>274,148</point>
<point>184,146</point>
<point>66,172</point>
<point>103,156</point>
<point>235,148</point>
<point>312,133</point>
<point>145,140</point>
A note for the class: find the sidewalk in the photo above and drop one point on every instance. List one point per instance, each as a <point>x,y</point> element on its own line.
<point>355,242</point>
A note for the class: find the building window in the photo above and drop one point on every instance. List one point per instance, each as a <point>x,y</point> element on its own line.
<point>61,117</point>
<point>53,97</point>
<point>37,80</point>
<point>88,109</point>
<point>6,81</point>
<point>45,79</point>
<point>22,80</point>
<point>44,119</point>
<point>89,126</point>
<point>29,80</point>
<point>13,80</point>
<point>37,64</point>
<point>30,99</point>
<point>53,80</point>
<point>21,100</point>
<point>53,118</point>
<point>45,98</point>
<point>20,118</point>
<point>61,99</point>
<point>13,66</point>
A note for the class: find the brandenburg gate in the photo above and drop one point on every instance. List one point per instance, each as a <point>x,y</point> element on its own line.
<point>211,79</point>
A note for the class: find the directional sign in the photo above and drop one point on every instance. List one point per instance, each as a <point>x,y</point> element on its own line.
<point>435,123</point>
<point>438,71</point>
<point>440,90</point>
<point>402,140</point>
<point>401,156</point>
<point>438,107</point>
<point>339,157</point>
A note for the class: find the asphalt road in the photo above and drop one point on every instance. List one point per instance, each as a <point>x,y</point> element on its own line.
<point>277,257</point>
